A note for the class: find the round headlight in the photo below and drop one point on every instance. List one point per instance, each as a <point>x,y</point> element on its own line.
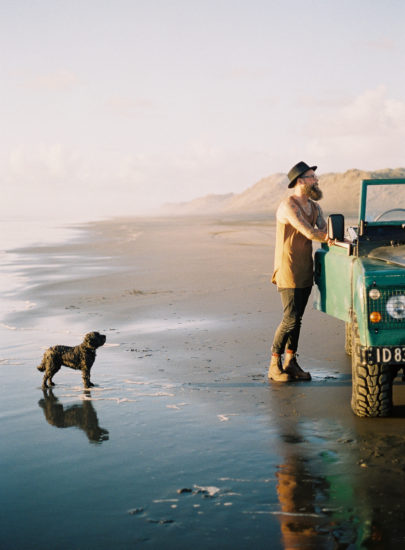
<point>396,307</point>
<point>374,293</point>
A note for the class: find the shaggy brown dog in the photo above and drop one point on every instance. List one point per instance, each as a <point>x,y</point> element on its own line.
<point>79,358</point>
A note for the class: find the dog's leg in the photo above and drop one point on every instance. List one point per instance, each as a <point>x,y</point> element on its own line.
<point>48,378</point>
<point>44,384</point>
<point>43,368</point>
<point>53,366</point>
<point>86,378</point>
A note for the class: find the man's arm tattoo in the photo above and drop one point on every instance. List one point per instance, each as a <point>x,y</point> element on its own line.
<point>320,222</point>
<point>297,220</point>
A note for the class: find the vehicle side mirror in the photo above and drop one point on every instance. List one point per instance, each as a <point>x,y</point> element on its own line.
<point>336,227</point>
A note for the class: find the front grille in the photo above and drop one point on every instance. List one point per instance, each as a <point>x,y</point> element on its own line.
<point>387,322</point>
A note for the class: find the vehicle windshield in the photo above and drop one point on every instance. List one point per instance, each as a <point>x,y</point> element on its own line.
<point>385,203</point>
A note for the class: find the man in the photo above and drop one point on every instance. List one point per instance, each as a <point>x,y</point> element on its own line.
<point>299,222</point>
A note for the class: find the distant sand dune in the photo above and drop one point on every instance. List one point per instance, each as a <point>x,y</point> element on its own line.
<point>341,194</point>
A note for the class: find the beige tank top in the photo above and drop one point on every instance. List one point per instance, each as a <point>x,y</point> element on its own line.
<point>293,264</point>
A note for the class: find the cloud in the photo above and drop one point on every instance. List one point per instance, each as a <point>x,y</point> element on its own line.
<point>43,164</point>
<point>58,81</point>
<point>366,132</point>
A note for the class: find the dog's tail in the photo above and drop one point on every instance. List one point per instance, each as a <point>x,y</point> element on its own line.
<point>41,367</point>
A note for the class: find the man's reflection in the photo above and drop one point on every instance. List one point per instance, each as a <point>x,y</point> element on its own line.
<point>297,493</point>
<point>316,498</point>
<point>81,416</point>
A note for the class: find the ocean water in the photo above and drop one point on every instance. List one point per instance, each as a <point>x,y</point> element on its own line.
<point>20,233</point>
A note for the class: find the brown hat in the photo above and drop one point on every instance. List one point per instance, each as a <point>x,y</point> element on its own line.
<point>297,171</point>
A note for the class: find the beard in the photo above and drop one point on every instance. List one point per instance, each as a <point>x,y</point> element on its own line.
<point>313,192</point>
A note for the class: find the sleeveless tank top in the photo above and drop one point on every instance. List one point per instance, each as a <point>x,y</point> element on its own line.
<point>293,263</point>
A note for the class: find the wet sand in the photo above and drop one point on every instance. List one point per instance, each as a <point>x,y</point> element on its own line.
<point>183,442</point>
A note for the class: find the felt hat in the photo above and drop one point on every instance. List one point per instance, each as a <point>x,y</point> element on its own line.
<point>297,171</point>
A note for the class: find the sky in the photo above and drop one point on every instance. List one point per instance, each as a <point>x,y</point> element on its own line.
<point>114,107</point>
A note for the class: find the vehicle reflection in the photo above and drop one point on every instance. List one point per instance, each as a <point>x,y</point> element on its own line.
<point>82,416</point>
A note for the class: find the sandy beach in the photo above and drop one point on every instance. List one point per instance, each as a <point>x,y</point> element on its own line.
<point>182,443</point>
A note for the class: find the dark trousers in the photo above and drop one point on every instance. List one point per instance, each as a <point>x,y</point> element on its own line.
<point>294,302</point>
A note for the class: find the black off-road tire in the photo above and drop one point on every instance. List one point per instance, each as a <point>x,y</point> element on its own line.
<point>371,384</point>
<point>348,338</point>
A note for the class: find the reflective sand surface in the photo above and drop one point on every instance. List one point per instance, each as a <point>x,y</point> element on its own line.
<point>183,443</point>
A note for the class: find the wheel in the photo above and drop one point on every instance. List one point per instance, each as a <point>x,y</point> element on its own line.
<point>348,338</point>
<point>371,384</point>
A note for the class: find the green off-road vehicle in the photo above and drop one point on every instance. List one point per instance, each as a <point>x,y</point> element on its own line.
<point>361,280</point>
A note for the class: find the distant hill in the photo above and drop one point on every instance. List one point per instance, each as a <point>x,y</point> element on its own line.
<point>210,204</point>
<point>340,190</point>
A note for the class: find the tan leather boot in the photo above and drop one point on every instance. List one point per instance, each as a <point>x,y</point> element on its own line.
<point>293,369</point>
<point>276,371</point>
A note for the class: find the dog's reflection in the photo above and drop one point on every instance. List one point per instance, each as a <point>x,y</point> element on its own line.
<point>81,416</point>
